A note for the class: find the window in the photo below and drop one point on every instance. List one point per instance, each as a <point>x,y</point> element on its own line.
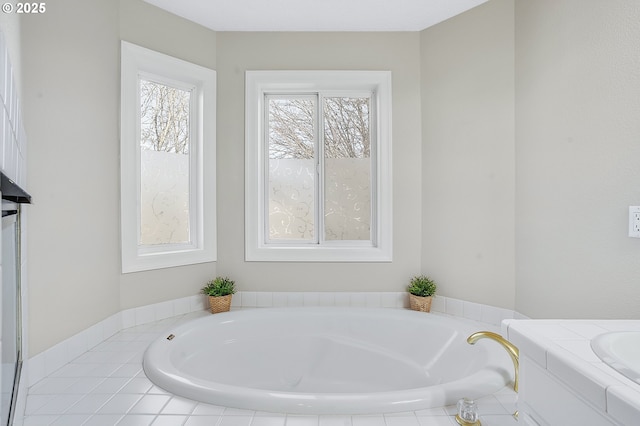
<point>318,166</point>
<point>167,138</point>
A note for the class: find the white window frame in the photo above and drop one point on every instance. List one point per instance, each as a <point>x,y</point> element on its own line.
<point>138,62</point>
<point>261,83</point>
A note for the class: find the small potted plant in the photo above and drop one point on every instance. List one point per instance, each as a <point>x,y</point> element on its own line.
<point>220,290</point>
<point>421,289</point>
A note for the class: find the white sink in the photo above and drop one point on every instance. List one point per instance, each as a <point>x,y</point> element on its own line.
<point>621,351</point>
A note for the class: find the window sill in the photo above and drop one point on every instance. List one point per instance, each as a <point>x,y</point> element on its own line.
<point>317,254</point>
<point>150,261</point>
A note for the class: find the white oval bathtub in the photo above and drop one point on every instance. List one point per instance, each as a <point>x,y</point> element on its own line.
<point>326,361</point>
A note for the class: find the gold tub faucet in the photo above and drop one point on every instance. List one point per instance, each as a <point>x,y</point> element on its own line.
<point>511,349</point>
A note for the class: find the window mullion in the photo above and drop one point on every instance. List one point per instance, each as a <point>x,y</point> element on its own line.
<point>373,157</point>
<point>194,170</point>
<point>319,170</point>
<point>138,166</point>
<point>265,164</point>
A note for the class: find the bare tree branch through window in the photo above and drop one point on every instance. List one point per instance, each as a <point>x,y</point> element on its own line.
<point>164,117</point>
<point>345,124</point>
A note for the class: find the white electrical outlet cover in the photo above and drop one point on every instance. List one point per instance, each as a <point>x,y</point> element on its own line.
<point>634,221</point>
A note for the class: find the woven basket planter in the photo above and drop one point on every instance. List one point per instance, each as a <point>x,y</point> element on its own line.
<point>418,303</point>
<point>220,303</point>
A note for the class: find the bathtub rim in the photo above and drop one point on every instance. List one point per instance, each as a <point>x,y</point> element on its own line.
<point>495,375</point>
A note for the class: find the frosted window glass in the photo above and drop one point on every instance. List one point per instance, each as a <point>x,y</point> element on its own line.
<point>347,169</point>
<point>164,164</point>
<point>292,176</point>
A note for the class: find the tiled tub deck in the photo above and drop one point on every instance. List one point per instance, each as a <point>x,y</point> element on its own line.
<point>106,386</point>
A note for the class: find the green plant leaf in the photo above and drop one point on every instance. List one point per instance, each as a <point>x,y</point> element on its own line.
<point>220,286</point>
<point>422,286</point>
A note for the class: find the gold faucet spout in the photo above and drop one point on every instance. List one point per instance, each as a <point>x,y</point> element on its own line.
<point>511,349</point>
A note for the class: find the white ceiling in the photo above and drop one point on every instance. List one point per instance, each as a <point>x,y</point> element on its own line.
<point>316,15</point>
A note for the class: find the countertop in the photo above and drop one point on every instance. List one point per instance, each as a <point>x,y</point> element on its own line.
<point>563,348</point>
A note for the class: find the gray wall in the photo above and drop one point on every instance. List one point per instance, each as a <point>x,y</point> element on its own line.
<point>468,168</point>
<point>70,101</point>
<point>530,156</point>
<point>71,95</point>
<point>577,158</point>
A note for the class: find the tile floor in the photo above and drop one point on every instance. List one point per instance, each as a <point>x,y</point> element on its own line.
<point>106,386</point>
